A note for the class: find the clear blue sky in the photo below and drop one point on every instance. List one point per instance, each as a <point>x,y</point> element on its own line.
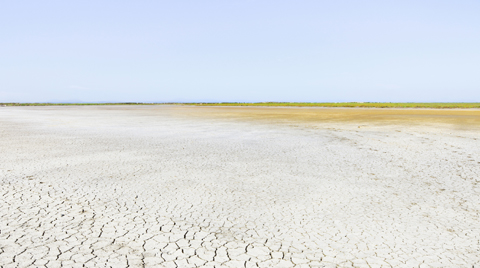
<point>158,51</point>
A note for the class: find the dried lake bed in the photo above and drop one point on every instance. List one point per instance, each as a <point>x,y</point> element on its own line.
<point>175,186</point>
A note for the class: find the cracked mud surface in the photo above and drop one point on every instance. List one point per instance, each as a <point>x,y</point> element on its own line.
<point>185,187</point>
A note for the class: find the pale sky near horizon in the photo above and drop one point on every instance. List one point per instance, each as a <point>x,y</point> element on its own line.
<point>188,51</point>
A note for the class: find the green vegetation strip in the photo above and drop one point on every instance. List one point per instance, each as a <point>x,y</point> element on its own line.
<point>437,105</point>
<point>73,104</point>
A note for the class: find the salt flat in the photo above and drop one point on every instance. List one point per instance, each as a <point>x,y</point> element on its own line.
<point>172,186</point>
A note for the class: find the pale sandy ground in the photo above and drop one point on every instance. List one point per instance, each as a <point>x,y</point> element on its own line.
<point>165,186</point>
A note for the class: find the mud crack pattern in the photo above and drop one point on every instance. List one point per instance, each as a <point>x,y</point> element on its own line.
<point>89,187</point>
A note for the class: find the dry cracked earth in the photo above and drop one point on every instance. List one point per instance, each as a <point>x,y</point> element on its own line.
<point>163,186</point>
